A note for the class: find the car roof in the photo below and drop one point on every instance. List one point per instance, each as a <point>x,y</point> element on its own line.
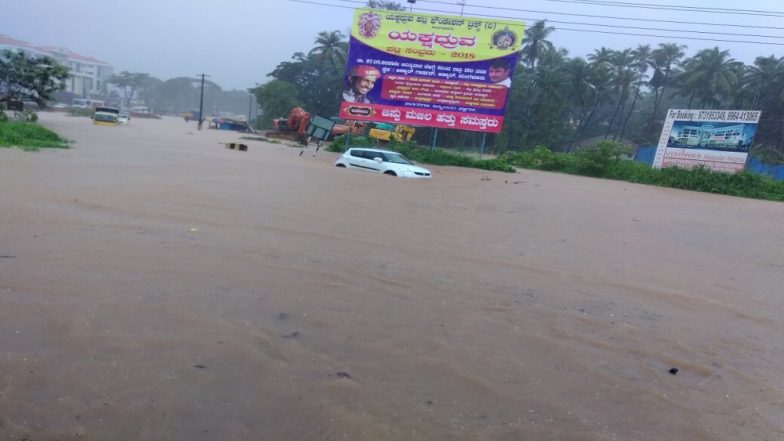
<point>373,150</point>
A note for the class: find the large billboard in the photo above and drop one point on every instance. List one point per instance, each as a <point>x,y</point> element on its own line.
<point>430,70</point>
<point>717,139</point>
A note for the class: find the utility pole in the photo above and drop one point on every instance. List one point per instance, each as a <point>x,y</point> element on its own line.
<point>201,100</point>
<point>251,90</point>
<point>412,5</point>
<point>250,101</point>
<point>462,4</point>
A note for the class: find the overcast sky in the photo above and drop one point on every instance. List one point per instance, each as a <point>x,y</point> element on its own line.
<point>238,42</point>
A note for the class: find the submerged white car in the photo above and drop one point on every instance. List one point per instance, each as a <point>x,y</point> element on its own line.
<point>381,161</point>
<point>123,118</point>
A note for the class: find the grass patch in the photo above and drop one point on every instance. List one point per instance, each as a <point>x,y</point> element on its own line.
<point>29,136</point>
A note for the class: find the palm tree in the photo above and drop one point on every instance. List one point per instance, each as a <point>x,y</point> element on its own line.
<point>710,76</point>
<point>765,80</point>
<point>385,4</point>
<point>549,102</point>
<point>642,56</point>
<point>536,42</point>
<point>622,65</point>
<point>664,60</point>
<point>601,56</point>
<point>329,47</point>
<point>583,92</point>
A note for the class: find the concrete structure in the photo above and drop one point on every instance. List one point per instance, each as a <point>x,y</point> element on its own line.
<point>88,75</point>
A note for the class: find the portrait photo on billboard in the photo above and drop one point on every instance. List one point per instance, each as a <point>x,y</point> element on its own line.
<point>719,136</point>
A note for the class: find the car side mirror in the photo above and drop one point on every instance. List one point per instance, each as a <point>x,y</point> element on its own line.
<point>377,159</point>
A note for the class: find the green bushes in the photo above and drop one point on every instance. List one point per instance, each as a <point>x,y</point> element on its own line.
<point>606,159</point>
<point>76,111</point>
<point>29,136</point>
<point>597,161</point>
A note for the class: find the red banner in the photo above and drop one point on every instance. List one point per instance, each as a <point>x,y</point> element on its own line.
<point>447,119</point>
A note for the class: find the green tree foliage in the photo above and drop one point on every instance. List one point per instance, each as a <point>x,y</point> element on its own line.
<point>181,94</point>
<point>664,61</point>
<point>176,95</point>
<point>331,49</point>
<point>535,42</point>
<point>277,98</point>
<point>385,4</point>
<point>30,78</point>
<point>565,102</point>
<point>711,77</point>
<point>317,76</point>
<point>130,83</point>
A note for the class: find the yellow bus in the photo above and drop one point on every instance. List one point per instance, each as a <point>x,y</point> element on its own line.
<point>106,116</point>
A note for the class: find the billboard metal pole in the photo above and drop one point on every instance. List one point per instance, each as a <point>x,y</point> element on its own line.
<point>482,146</point>
<point>435,136</point>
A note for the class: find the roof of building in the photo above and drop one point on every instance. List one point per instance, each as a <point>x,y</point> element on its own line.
<point>5,40</point>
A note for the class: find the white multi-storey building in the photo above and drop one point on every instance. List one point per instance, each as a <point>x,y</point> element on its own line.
<point>88,76</point>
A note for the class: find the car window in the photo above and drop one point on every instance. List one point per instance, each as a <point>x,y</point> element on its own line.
<point>396,158</point>
<point>358,153</point>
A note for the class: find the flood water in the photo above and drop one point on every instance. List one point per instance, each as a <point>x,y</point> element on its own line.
<point>155,285</point>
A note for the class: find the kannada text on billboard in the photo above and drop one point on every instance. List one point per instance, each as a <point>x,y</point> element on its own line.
<point>430,70</point>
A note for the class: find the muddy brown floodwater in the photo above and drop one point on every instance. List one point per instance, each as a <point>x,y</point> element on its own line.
<point>155,285</point>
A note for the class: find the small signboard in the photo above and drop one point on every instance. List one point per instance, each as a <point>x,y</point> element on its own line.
<point>320,127</point>
<point>717,139</point>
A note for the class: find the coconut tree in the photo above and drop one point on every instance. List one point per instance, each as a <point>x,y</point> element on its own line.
<point>765,81</point>
<point>602,55</point>
<point>536,42</point>
<point>664,61</point>
<point>331,47</point>
<point>583,93</point>
<point>622,67</point>
<point>534,45</point>
<point>642,56</point>
<point>710,76</point>
<point>549,101</point>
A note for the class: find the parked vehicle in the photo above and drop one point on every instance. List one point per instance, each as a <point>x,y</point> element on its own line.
<point>342,127</point>
<point>291,128</point>
<point>86,103</point>
<point>123,118</point>
<point>106,116</point>
<point>388,132</point>
<point>381,161</point>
